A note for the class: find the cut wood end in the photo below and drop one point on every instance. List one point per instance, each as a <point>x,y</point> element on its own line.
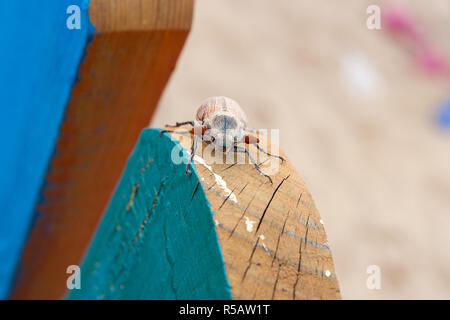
<point>141,15</point>
<point>272,236</point>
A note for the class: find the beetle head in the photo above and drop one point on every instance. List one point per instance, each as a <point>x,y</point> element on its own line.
<point>225,129</point>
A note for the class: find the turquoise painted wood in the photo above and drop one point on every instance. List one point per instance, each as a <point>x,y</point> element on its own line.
<point>39,58</point>
<point>157,239</point>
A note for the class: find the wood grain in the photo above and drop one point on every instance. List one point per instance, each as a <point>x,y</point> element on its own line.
<point>272,237</point>
<point>169,235</point>
<point>157,239</point>
<point>115,15</point>
<point>126,67</point>
<point>39,61</point>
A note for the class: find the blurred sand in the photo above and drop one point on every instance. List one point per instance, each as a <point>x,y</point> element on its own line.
<point>377,166</point>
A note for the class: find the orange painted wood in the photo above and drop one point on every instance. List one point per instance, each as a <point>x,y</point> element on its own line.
<point>127,65</point>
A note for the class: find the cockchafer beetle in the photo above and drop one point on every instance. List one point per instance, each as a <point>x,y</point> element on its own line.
<point>221,121</point>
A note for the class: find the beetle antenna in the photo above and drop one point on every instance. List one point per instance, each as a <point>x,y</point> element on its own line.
<point>179,124</point>
<point>252,160</point>
<point>269,154</point>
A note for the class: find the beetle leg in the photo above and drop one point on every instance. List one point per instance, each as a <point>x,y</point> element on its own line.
<point>250,139</point>
<point>269,154</point>
<point>198,131</point>
<point>244,150</point>
<point>179,132</point>
<point>193,148</point>
<point>258,131</point>
<point>179,124</point>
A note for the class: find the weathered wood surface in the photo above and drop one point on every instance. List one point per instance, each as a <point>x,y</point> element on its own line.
<point>126,67</point>
<point>272,237</point>
<point>168,235</point>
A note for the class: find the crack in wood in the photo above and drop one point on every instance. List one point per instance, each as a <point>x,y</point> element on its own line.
<point>270,252</point>
<point>228,197</point>
<point>132,195</point>
<point>243,214</point>
<point>299,198</point>
<point>146,166</point>
<point>250,259</point>
<point>270,201</point>
<point>256,215</point>
<point>300,258</point>
<point>276,281</point>
<point>243,188</point>
<point>230,166</point>
<point>195,191</point>
<point>147,217</point>
<point>279,237</point>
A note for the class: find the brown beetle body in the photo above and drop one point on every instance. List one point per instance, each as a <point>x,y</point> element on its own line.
<point>220,104</point>
<point>221,121</point>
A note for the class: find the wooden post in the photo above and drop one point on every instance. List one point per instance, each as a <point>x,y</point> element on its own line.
<point>39,59</point>
<point>126,67</point>
<point>222,232</point>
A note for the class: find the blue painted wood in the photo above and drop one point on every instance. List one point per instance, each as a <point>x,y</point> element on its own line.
<point>157,239</point>
<point>39,58</point>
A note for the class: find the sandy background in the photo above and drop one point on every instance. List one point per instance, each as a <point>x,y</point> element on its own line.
<point>376,163</point>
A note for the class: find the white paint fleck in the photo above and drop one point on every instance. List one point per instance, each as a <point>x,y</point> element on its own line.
<point>321,221</point>
<point>327,273</point>
<point>262,237</point>
<point>249,223</point>
<point>219,180</point>
<point>202,162</point>
<point>216,222</point>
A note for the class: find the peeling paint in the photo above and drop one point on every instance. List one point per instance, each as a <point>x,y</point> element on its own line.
<point>219,180</point>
